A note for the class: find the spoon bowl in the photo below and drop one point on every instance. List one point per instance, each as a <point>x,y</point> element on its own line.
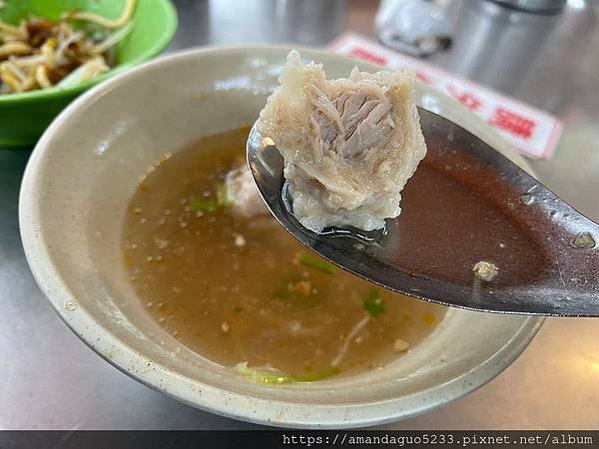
<point>466,207</point>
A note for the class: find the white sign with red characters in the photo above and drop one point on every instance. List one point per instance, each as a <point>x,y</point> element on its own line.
<point>534,132</point>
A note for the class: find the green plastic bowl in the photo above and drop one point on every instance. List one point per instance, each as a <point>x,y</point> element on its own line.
<point>25,116</point>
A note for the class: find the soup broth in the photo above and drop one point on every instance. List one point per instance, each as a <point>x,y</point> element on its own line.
<point>241,290</point>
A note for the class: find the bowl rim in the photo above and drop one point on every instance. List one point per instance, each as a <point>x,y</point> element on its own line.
<point>171,20</point>
<point>193,392</point>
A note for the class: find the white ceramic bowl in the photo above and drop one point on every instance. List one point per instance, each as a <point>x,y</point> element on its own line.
<point>73,199</point>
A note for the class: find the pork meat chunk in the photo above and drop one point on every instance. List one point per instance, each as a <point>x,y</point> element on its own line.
<point>243,195</point>
<point>349,145</point>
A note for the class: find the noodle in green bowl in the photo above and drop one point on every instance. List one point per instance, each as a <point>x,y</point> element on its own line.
<point>51,51</point>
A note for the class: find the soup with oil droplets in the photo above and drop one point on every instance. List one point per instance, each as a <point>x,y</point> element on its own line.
<point>232,285</point>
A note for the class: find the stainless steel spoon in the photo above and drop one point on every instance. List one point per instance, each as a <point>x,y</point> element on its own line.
<point>466,206</point>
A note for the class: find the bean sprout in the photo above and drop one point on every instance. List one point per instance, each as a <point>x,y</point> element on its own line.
<point>347,341</point>
<point>103,21</point>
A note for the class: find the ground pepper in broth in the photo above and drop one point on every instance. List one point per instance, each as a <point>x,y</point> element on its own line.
<point>242,292</point>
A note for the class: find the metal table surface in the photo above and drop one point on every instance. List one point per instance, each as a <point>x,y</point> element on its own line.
<point>51,380</point>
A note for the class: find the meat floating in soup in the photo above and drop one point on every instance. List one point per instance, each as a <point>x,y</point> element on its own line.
<point>233,286</point>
